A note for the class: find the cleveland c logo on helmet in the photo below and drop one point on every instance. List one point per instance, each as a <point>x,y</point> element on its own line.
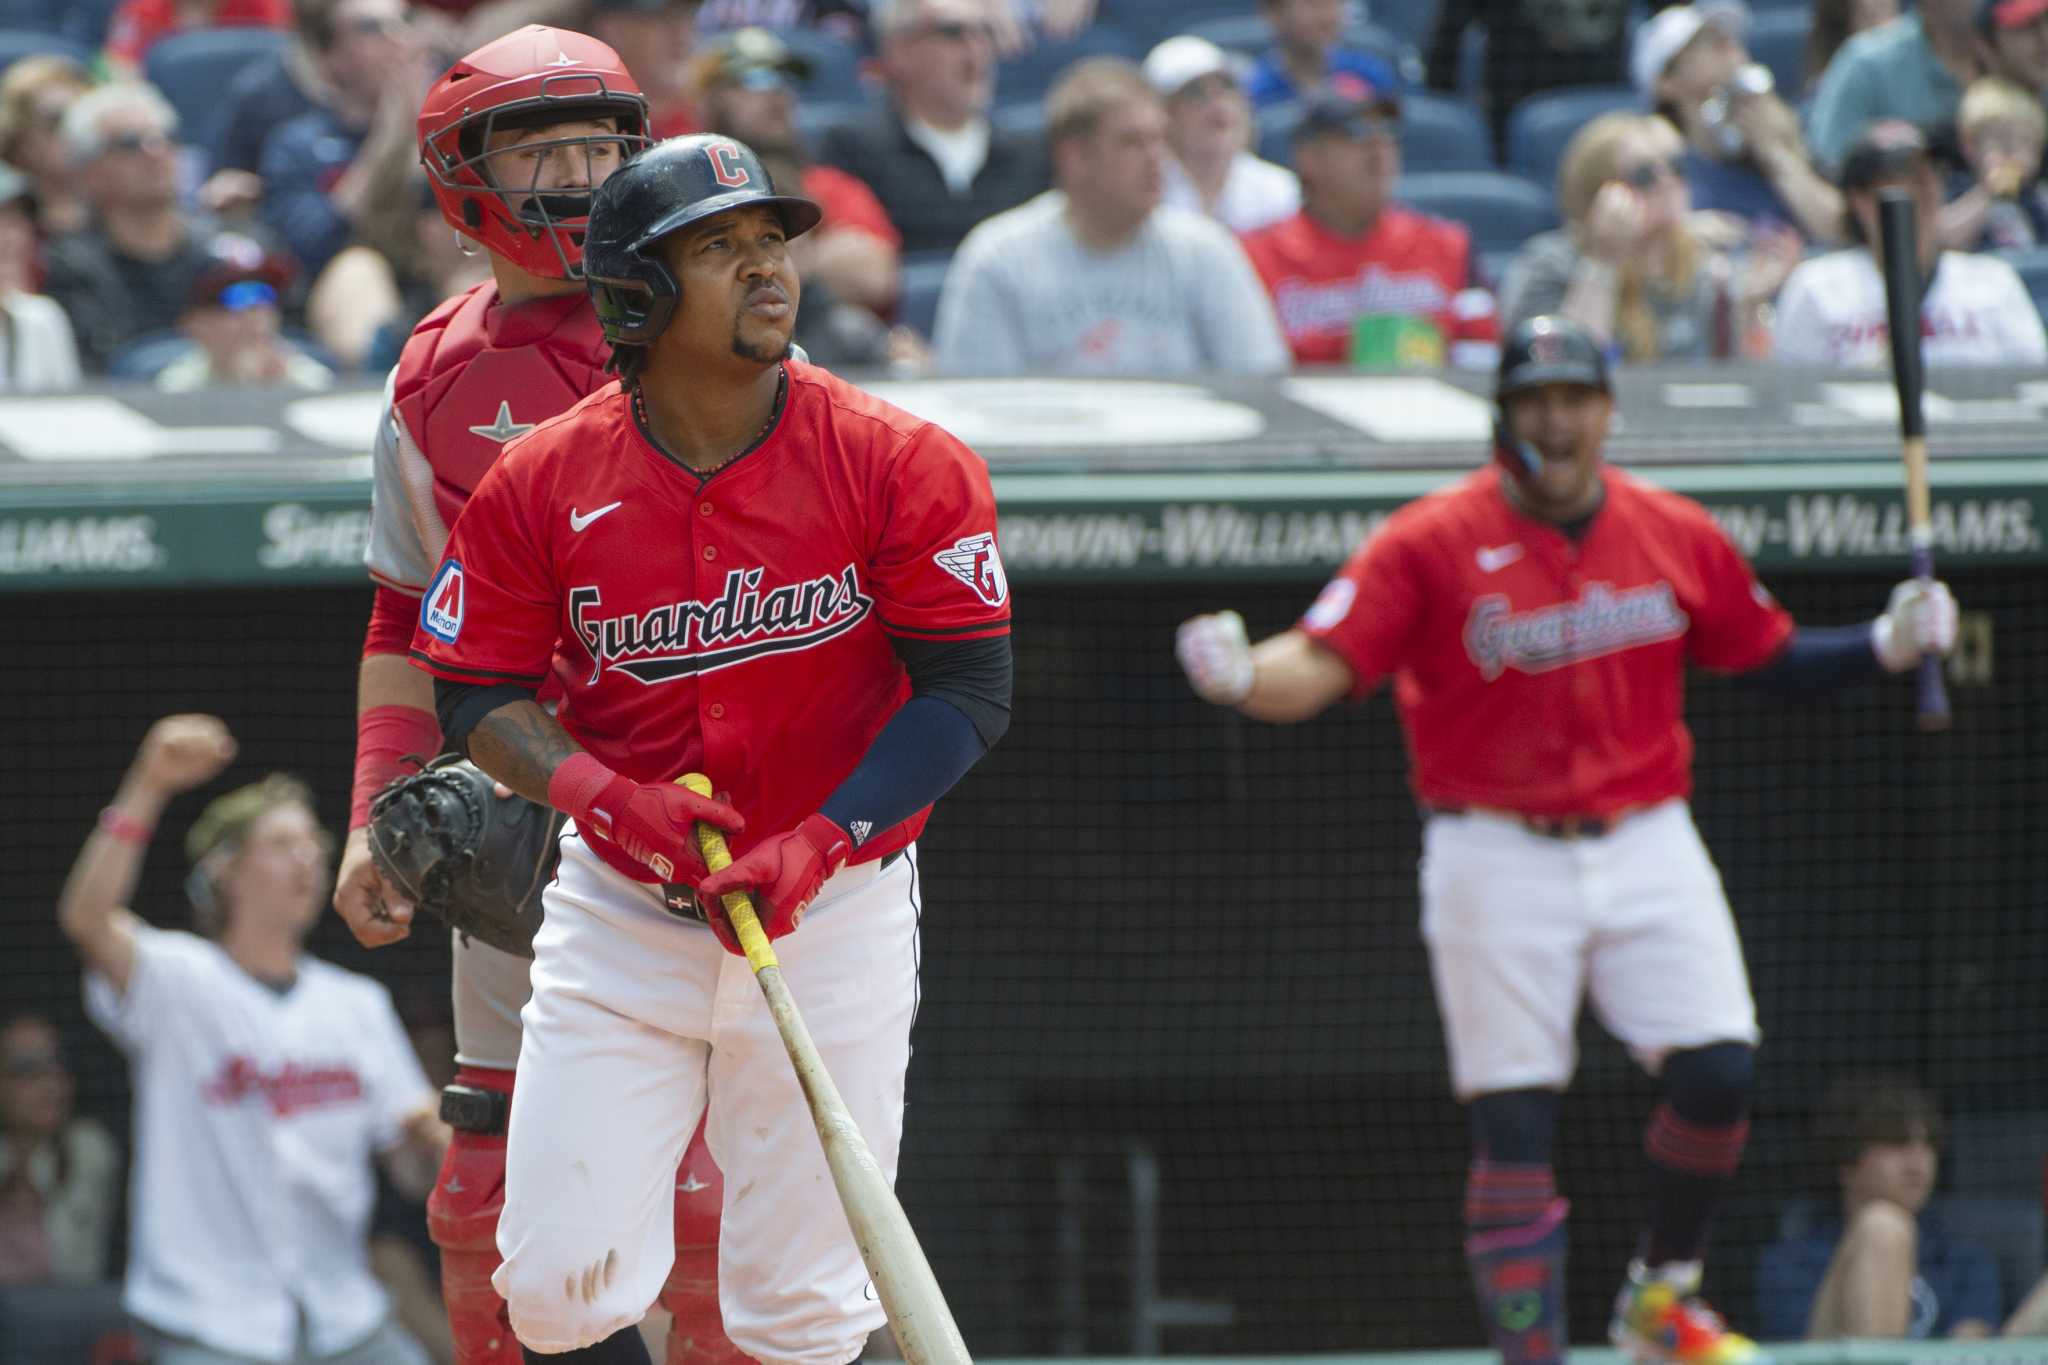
<point>726,165</point>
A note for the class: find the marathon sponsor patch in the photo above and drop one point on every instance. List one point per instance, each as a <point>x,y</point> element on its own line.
<point>974,561</point>
<point>441,608</point>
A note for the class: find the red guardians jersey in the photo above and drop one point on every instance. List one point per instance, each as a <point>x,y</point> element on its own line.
<point>1538,673</point>
<point>1409,264</point>
<point>738,624</point>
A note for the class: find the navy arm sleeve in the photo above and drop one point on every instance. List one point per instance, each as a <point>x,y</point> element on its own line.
<point>959,707</point>
<point>461,705</point>
<point>1816,661</point>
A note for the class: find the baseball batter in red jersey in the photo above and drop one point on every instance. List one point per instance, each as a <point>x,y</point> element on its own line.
<point>1537,618</point>
<point>1353,253</point>
<point>755,571</point>
<point>514,137</point>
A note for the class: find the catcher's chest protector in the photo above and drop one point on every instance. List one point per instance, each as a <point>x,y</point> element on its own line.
<point>476,373</point>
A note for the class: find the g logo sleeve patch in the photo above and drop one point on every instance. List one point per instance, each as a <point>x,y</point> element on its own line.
<point>974,561</point>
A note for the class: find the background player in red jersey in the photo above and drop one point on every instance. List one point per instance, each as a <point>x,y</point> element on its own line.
<point>514,137</point>
<point>756,571</point>
<point>1536,618</point>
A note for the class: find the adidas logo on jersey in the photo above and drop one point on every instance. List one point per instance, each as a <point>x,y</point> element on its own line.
<point>860,830</point>
<point>685,639</point>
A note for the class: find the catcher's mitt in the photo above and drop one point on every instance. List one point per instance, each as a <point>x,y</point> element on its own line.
<point>443,838</point>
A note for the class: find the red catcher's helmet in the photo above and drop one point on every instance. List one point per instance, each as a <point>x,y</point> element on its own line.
<point>533,77</point>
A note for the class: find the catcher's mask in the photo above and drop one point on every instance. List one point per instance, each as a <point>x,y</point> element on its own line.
<point>535,77</point>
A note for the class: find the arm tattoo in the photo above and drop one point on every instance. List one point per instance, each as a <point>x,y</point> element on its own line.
<point>521,745</point>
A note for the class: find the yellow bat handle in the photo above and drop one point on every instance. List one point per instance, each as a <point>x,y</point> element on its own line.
<point>739,906</point>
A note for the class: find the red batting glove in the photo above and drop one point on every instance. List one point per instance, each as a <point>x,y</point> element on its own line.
<point>784,873</point>
<point>655,823</point>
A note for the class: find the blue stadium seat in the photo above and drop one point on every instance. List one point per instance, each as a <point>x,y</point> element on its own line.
<point>1540,126</point>
<point>835,66</point>
<point>1502,211</point>
<point>1778,38</point>
<point>194,67</point>
<point>1021,118</point>
<point>815,119</point>
<point>146,356</point>
<point>1412,21</point>
<point>1027,76</point>
<point>1437,134</point>
<point>1146,22</point>
<point>917,299</point>
<point>2033,267</point>
<point>16,43</point>
<point>1249,35</point>
<point>1443,134</point>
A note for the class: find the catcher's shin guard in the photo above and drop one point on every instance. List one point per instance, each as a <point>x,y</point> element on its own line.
<point>462,1218</point>
<point>696,1333</point>
<point>1518,1273</point>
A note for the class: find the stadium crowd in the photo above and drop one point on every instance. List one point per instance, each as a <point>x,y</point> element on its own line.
<point>229,192</point>
<point>205,192</point>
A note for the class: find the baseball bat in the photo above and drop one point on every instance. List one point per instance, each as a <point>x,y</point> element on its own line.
<point>1900,257</point>
<point>910,1295</point>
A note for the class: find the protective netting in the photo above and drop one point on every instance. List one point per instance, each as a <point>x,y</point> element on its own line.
<point>1178,1079</point>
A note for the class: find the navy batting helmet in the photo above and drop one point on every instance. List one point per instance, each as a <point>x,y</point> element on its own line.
<point>667,187</point>
<point>1546,349</point>
<point>1550,350</point>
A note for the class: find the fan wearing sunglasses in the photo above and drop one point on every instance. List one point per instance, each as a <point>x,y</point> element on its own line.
<point>1630,265</point>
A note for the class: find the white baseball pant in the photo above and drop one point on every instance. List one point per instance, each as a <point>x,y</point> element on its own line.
<point>1522,927</point>
<point>639,1020</point>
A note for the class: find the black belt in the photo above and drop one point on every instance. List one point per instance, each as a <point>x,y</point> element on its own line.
<point>1548,826</point>
<point>680,898</point>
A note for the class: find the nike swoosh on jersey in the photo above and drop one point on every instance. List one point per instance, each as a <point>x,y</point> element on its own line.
<point>1493,558</point>
<point>577,523</point>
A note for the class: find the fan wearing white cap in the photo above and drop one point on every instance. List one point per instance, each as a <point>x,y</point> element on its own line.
<point>1209,132</point>
<point>1744,154</point>
<point>1913,68</point>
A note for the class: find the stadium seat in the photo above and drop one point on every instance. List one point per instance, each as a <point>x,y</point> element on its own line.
<point>146,356</point>
<point>1146,22</point>
<point>835,66</point>
<point>16,43</point>
<point>1438,133</point>
<point>1412,21</point>
<point>1502,211</point>
<point>1027,76</point>
<point>1443,134</point>
<point>1248,35</point>
<point>917,300</point>
<point>1778,38</point>
<point>194,67</point>
<point>2033,268</point>
<point>1021,118</point>
<point>815,119</point>
<point>1542,125</point>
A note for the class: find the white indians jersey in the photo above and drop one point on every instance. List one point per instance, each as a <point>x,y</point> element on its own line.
<point>1977,312</point>
<point>257,1113</point>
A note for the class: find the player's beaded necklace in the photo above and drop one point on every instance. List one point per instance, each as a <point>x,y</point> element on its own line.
<point>774,415</point>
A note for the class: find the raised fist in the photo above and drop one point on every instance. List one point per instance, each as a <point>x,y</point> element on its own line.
<point>1217,656</point>
<point>182,752</point>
